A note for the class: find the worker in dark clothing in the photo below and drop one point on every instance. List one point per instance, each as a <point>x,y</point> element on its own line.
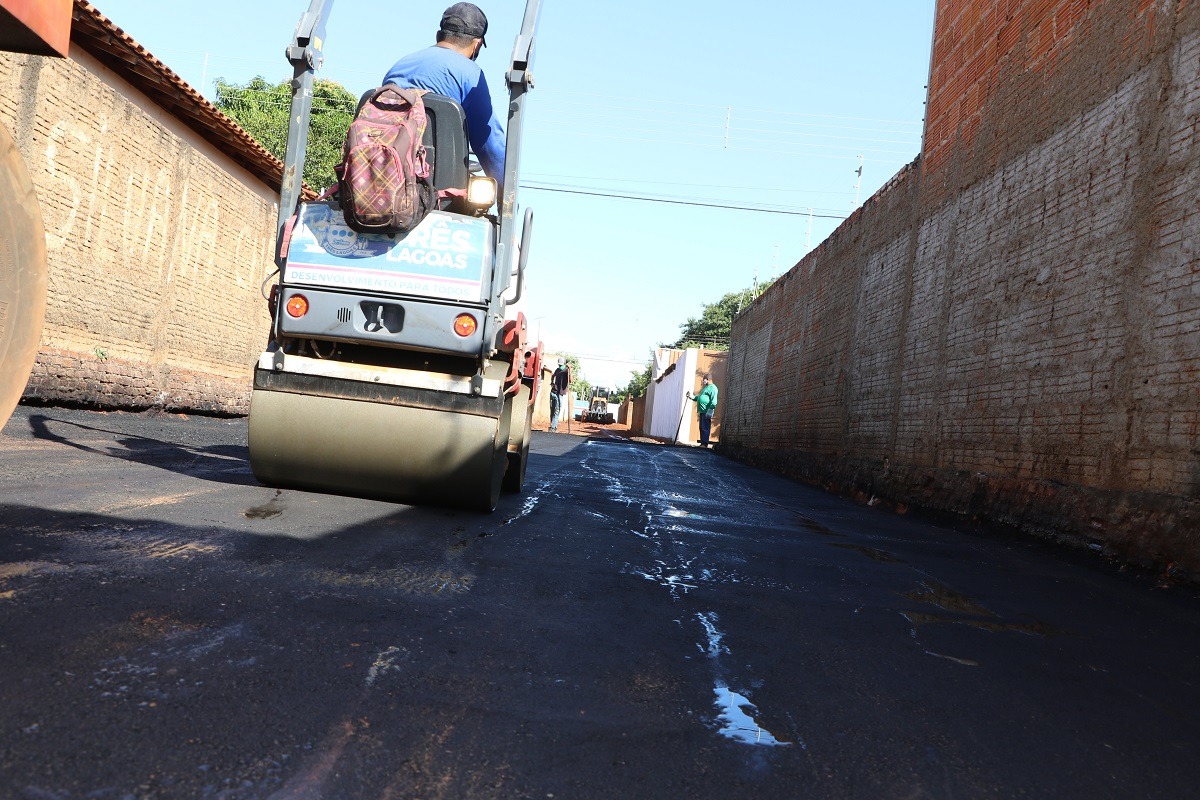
<point>448,68</point>
<point>560,385</point>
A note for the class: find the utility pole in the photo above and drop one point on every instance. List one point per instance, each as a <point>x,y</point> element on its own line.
<point>754,283</point>
<point>858,183</point>
<point>728,117</point>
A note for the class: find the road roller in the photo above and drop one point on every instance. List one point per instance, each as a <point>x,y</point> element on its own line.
<point>397,365</point>
<point>37,27</point>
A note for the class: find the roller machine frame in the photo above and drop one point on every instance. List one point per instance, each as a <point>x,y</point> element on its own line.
<point>393,370</point>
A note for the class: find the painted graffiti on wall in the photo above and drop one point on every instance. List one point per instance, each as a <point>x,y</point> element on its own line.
<point>145,213</point>
<point>158,242</point>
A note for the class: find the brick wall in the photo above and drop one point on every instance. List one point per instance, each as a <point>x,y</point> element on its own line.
<point>1011,328</point>
<point>1006,72</point>
<point>157,244</point>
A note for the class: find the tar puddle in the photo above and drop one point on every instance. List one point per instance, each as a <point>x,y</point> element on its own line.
<point>272,508</point>
<point>678,566</point>
<point>736,715</point>
<point>532,499</point>
<point>966,611</point>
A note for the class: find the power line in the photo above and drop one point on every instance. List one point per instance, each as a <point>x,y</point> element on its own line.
<point>811,135</point>
<point>542,175</point>
<point>712,122</point>
<point>720,146</point>
<point>573,128</point>
<point>548,186</point>
<point>658,102</point>
<point>716,127</point>
<point>648,199</point>
<point>713,119</point>
<point>609,359</point>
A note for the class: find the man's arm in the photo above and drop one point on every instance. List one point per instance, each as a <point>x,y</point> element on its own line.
<point>484,130</point>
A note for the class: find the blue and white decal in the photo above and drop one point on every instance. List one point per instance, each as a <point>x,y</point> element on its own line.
<point>443,257</point>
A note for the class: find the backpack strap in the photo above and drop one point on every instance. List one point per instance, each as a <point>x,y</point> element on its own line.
<point>285,241</point>
<point>410,96</point>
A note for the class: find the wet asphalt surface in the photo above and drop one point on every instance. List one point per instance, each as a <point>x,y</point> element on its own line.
<point>643,621</point>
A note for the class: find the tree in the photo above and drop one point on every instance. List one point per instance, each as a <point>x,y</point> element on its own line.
<point>263,109</point>
<point>712,329</point>
<point>579,384</point>
<point>639,381</point>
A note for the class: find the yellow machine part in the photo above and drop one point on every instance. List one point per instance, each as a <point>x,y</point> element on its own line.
<point>22,275</point>
<point>380,450</point>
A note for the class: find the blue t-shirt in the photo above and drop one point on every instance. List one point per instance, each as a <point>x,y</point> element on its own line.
<point>441,70</point>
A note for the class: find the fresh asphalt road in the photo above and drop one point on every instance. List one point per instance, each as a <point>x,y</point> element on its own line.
<point>643,622</point>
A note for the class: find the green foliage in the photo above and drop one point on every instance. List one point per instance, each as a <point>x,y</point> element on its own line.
<point>712,329</point>
<point>579,384</point>
<point>639,381</point>
<point>262,109</point>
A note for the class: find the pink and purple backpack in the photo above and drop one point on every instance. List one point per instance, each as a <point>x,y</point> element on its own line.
<point>384,179</point>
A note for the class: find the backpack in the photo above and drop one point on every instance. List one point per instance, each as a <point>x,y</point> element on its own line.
<point>383,181</point>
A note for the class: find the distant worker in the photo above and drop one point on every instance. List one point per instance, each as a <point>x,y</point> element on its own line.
<point>560,384</point>
<point>448,68</point>
<point>706,406</point>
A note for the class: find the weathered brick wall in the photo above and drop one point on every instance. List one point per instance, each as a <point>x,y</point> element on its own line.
<point>1004,73</point>
<point>1011,329</point>
<point>157,244</point>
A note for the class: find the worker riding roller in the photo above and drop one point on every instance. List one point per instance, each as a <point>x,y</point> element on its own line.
<point>397,367</point>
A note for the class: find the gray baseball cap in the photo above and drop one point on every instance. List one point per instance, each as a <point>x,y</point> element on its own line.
<point>467,19</point>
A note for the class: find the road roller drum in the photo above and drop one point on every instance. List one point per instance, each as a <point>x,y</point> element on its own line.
<point>390,452</point>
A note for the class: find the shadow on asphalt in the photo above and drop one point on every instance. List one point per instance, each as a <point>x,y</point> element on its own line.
<point>407,539</point>
<point>218,463</point>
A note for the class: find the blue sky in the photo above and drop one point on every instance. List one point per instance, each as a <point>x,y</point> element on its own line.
<point>761,104</point>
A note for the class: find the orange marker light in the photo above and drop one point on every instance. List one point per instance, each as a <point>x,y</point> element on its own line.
<point>297,305</point>
<point>464,325</point>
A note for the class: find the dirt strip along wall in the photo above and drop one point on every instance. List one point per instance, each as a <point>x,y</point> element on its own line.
<point>1010,329</point>
<point>157,245</point>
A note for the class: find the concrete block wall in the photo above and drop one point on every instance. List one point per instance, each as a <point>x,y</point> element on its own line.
<point>633,414</point>
<point>157,244</point>
<point>1011,328</point>
<point>668,407</point>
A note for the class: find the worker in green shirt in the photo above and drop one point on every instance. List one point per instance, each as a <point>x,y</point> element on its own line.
<point>706,406</point>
